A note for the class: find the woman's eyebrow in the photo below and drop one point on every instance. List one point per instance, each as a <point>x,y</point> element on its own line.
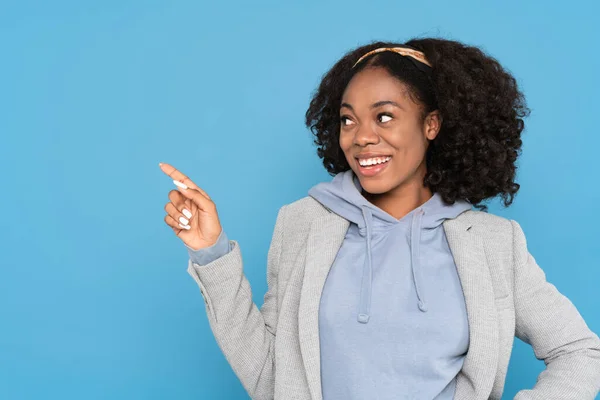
<point>375,105</point>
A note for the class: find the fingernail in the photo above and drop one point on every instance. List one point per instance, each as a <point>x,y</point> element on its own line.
<point>184,221</point>
<point>181,185</point>
<point>187,227</point>
<point>187,213</point>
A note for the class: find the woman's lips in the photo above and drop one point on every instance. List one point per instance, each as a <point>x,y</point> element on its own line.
<point>372,170</point>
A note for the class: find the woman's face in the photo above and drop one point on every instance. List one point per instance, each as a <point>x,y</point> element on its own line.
<point>381,126</point>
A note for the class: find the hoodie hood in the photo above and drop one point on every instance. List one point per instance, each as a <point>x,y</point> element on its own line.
<point>343,196</point>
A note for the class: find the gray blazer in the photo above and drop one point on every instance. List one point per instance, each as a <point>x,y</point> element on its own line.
<point>275,352</point>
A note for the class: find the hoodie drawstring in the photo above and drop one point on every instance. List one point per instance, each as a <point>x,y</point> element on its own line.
<point>367,276</point>
<point>415,245</point>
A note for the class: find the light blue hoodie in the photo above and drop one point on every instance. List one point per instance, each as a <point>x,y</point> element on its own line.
<point>397,278</point>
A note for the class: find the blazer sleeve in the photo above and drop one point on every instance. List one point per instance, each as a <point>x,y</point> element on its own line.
<point>550,323</point>
<point>244,333</point>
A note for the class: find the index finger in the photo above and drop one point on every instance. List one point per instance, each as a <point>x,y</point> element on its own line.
<point>177,175</point>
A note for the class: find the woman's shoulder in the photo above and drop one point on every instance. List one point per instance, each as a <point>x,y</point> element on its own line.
<point>495,230</point>
<point>484,219</point>
<point>305,208</point>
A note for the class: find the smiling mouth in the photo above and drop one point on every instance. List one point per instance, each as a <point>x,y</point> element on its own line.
<point>372,166</point>
<point>373,162</point>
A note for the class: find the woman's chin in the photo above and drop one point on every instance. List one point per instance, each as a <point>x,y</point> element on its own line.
<point>374,186</point>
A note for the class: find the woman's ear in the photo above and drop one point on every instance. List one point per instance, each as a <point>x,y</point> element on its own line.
<point>433,124</point>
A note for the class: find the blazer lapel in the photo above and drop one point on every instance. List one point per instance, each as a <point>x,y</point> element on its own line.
<point>476,378</point>
<point>325,238</point>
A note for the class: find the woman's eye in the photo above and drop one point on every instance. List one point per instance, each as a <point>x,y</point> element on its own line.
<point>345,120</point>
<point>382,117</point>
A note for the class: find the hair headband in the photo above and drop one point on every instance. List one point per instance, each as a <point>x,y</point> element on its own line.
<point>404,51</point>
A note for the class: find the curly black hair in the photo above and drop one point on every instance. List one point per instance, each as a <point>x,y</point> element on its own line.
<point>474,155</point>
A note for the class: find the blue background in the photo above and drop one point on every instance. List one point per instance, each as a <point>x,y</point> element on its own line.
<point>95,301</point>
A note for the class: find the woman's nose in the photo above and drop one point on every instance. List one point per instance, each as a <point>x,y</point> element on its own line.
<point>366,135</point>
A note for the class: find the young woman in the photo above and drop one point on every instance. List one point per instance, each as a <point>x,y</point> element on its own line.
<point>393,281</point>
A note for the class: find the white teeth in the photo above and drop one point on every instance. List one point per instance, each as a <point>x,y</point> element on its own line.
<point>372,161</point>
